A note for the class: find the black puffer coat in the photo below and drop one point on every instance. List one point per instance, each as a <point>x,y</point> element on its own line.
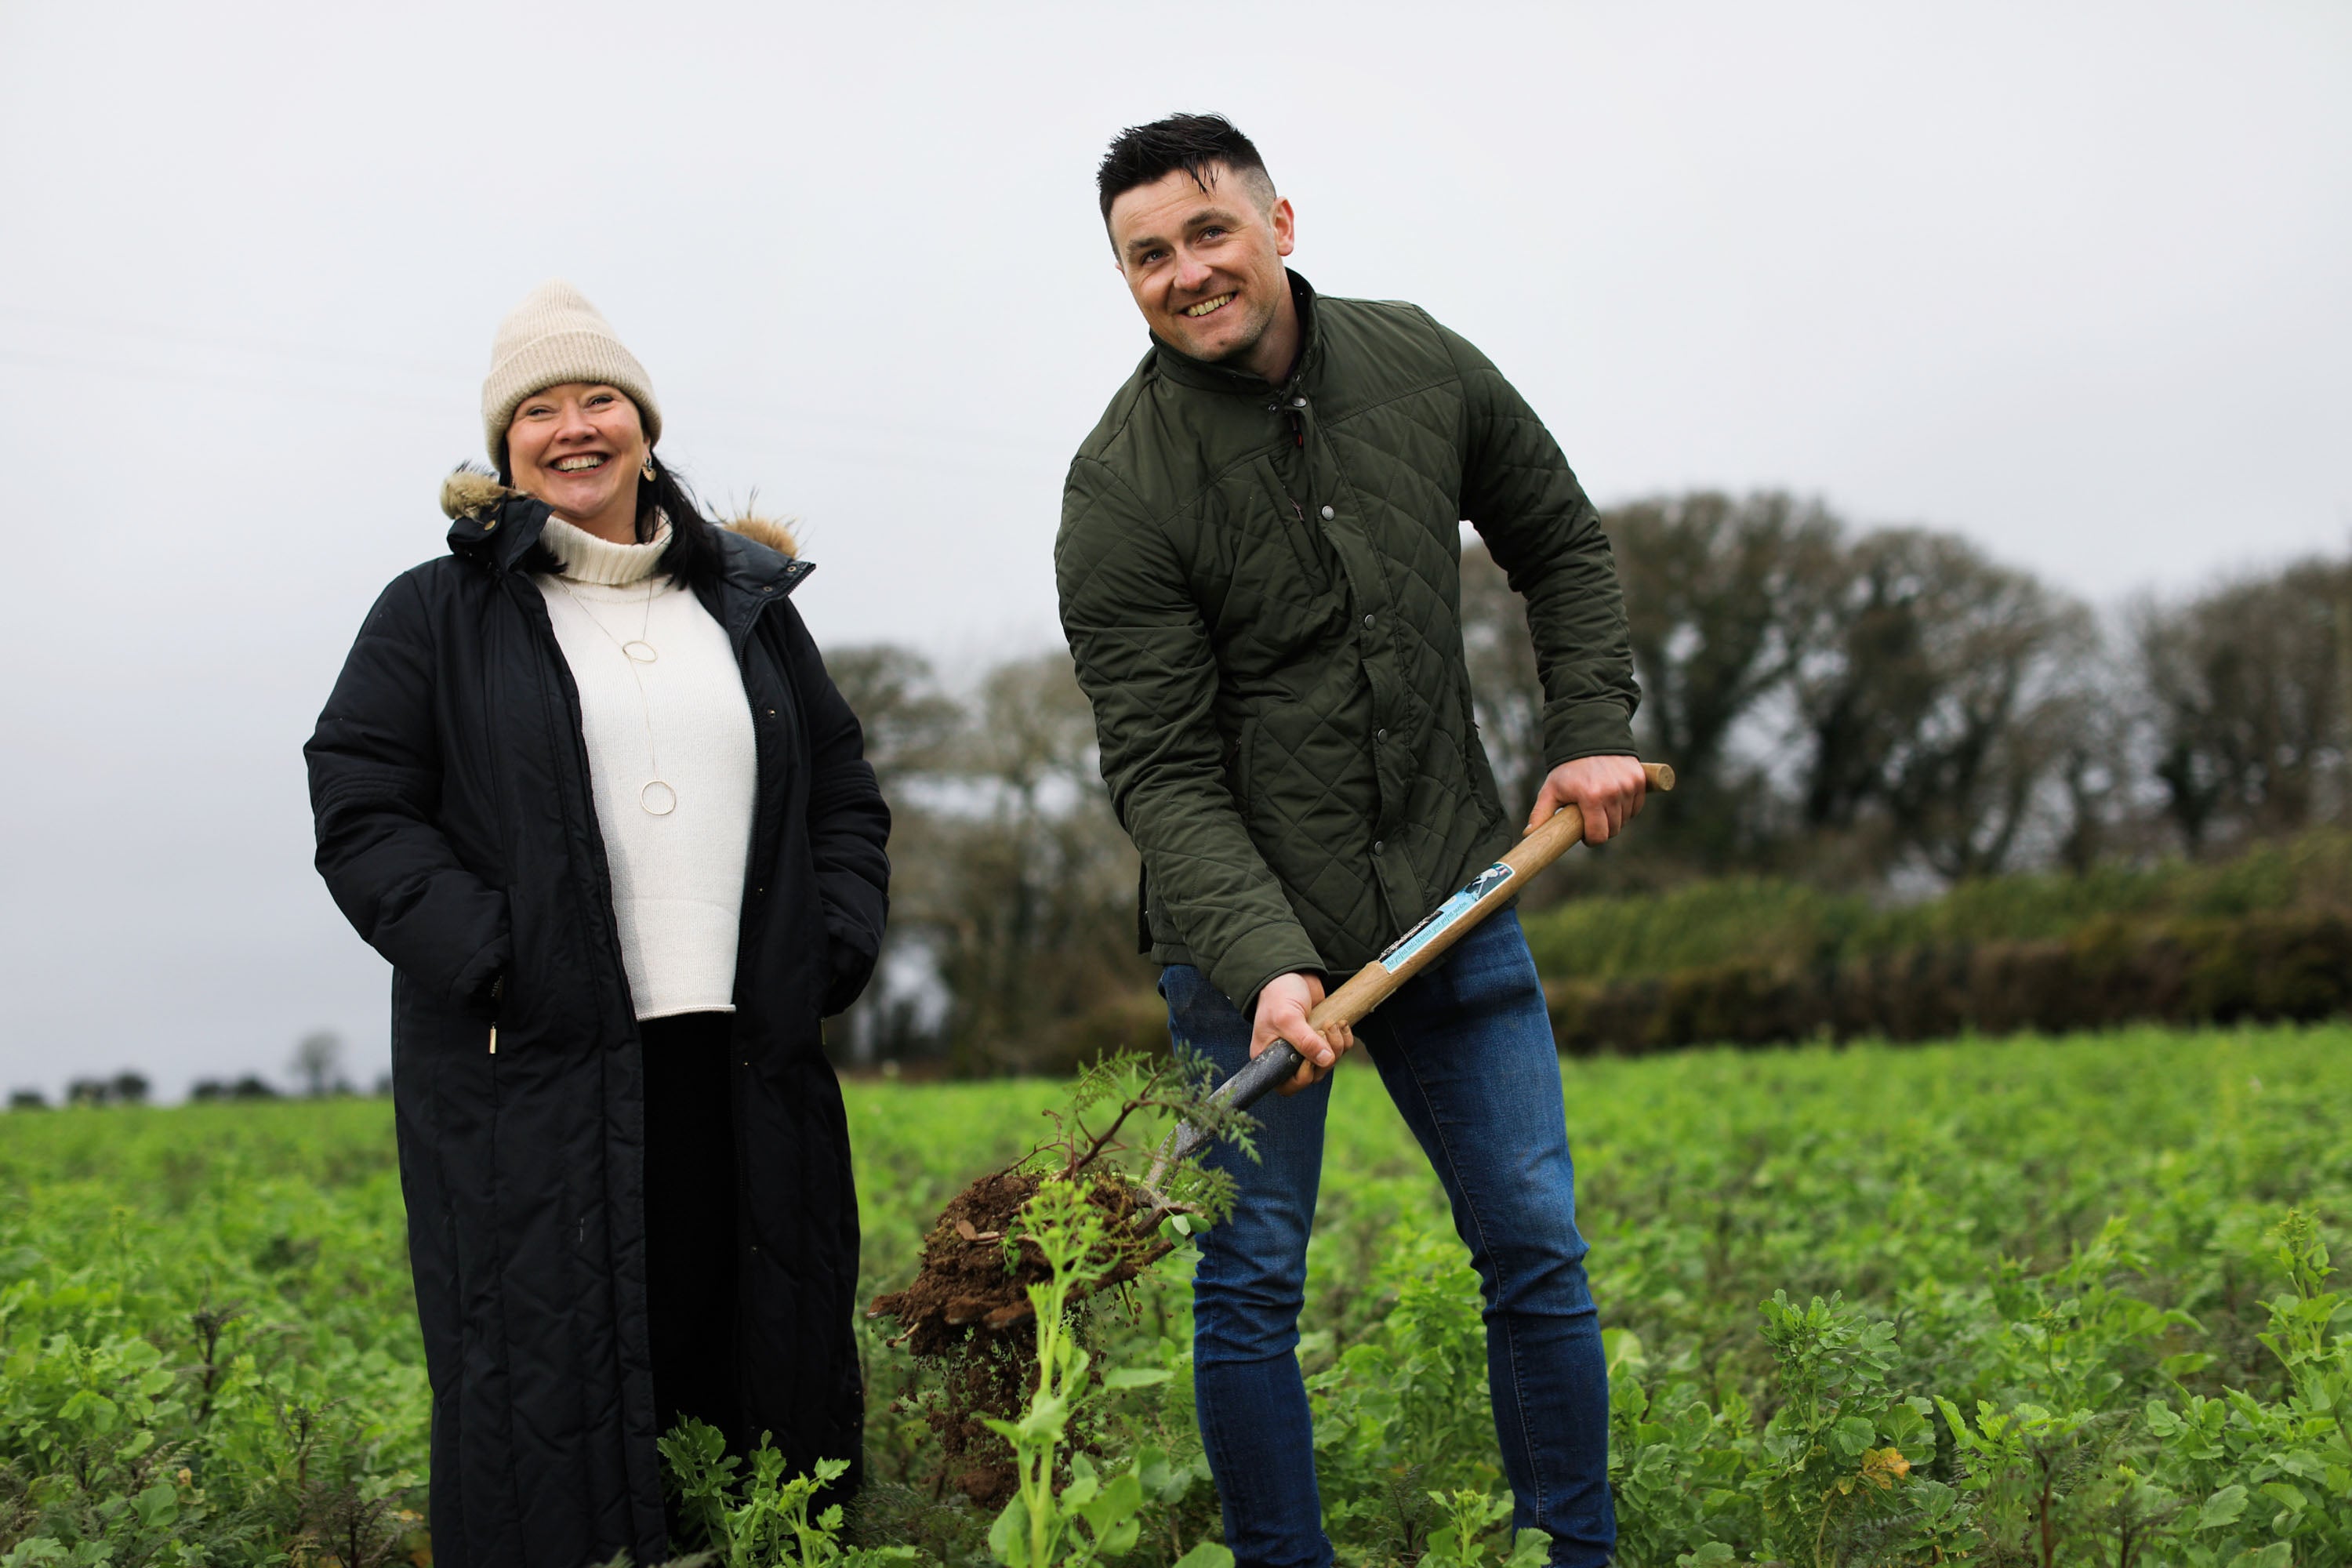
<point>456,830</point>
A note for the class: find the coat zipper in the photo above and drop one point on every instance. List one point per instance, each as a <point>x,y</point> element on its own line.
<point>758,852</point>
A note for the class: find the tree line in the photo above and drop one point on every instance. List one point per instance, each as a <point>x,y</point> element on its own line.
<point>1859,708</point>
<point>1852,707</point>
<point>317,1065</point>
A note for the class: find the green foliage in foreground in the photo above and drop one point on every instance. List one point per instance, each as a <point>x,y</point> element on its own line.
<point>1789,925</point>
<point>762,1517</point>
<point>208,1352</point>
<point>2029,1301</point>
<point>1048,1522</point>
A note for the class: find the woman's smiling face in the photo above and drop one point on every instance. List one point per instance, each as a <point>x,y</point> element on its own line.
<point>578,447</point>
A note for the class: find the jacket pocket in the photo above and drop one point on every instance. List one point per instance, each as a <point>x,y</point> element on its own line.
<point>1486,790</point>
<point>1142,910</point>
<point>1238,765</point>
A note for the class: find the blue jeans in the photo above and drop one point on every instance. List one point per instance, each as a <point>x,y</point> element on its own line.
<point>1466,1049</point>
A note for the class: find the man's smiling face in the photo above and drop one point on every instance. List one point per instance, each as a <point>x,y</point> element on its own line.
<point>1205,265</point>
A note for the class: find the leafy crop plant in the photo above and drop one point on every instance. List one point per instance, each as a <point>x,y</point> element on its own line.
<point>2111,1264</point>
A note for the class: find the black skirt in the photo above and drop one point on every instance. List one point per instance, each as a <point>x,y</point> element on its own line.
<point>690,1234</point>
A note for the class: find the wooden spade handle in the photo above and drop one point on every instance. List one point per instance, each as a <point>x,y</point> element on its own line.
<point>1453,920</point>
<point>1408,956</point>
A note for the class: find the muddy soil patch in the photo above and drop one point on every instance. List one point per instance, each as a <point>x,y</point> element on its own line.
<point>967,1313</point>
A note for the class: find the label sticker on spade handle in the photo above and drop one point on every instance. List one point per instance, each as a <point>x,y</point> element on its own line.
<point>1434,923</point>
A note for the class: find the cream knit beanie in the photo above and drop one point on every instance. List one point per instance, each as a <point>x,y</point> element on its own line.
<point>555,335</point>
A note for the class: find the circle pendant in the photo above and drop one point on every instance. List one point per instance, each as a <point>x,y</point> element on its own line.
<point>639,649</point>
<point>658,798</point>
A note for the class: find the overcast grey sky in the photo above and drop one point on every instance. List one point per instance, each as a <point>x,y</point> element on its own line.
<point>2073,279</point>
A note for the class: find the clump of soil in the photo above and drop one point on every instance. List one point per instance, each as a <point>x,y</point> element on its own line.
<point>968,1313</point>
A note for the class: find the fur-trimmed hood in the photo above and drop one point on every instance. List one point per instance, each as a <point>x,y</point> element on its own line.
<point>471,492</point>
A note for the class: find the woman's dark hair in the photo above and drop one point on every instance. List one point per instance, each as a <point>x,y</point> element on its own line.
<point>693,557</point>
<point>1193,142</point>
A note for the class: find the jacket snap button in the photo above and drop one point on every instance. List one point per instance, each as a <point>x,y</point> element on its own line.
<point>1378,845</point>
<point>1298,403</point>
<point>1329,514</point>
<point>1379,735</point>
<point>1368,620</point>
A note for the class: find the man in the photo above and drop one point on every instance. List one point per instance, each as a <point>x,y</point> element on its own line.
<point>1258,567</point>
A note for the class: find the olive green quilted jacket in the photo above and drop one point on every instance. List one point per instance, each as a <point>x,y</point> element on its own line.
<point>1261,588</point>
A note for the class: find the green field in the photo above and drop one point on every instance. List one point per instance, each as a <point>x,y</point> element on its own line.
<point>2060,1320</point>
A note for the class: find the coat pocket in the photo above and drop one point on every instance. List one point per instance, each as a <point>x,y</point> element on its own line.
<point>1239,759</point>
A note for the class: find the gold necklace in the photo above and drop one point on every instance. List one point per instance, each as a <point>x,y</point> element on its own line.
<point>657,796</point>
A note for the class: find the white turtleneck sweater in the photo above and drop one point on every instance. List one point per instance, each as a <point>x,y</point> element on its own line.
<point>677,879</point>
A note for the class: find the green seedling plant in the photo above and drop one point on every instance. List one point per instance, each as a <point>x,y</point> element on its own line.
<point>1126,1092</point>
<point>1094,1515</point>
<point>1461,1542</point>
<point>1674,1463</point>
<point>1839,1452</point>
<point>761,1520</point>
<point>2236,1477</point>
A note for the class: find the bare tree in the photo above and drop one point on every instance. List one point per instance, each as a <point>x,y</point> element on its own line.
<point>1725,598</point>
<point>1506,693</point>
<point>2246,691</point>
<point>1723,595</point>
<point>1933,712</point>
<point>1857,702</point>
<point>2098,779</point>
<point>317,1060</point>
<point>1028,897</point>
<point>908,721</point>
<point>910,728</point>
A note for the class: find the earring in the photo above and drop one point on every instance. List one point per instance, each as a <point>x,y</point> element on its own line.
<point>647,467</point>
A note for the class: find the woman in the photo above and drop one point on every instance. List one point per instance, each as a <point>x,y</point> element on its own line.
<point>586,784</point>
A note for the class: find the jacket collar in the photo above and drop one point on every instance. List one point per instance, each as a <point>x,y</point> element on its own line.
<point>489,524</point>
<point>750,577</point>
<point>495,527</point>
<point>1181,367</point>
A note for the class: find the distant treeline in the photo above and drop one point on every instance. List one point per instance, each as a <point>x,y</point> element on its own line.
<point>125,1088</point>
<point>316,1058</point>
<point>1854,708</point>
<point>1861,720</point>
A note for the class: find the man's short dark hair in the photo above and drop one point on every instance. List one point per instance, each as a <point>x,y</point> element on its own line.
<point>1193,142</point>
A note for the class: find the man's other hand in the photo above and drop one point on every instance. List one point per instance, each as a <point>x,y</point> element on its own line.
<point>1282,1010</point>
<point>1609,790</point>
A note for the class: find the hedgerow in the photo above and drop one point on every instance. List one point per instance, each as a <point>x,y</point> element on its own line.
<point>2264,937</point>
<point>1789,926</point>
